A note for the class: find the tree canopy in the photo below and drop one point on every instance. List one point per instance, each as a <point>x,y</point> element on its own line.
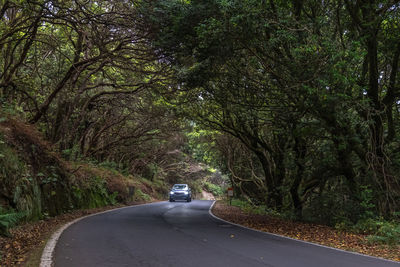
<point>307,90</point>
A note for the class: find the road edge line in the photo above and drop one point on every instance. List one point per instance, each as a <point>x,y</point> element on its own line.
<point>290,238</point>
<point>46,260</point>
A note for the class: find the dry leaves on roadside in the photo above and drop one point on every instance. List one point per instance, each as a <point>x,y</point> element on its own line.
<point>320,234</point>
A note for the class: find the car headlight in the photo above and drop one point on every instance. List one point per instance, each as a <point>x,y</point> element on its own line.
<point>171,193</point>
<point>186,193</point>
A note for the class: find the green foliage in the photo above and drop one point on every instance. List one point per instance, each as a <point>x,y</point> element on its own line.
<point>216,190</point>
<point>8,219</point>
<point>51,175</point>
<point>366,203</point>
<point>12,167</point>
<point>18,185</point>
<point>366,217</point>
<point>151,171</point>
<point>333,207</point>
<point>98,193</point>
<point>139,195</point>
<point>93,195</point>
<point>8,108</point>
<point>71,153</point>
<point>110,165</point>
<point>246,206</point>
<point>196,187</point>
<point>366,226</point>
<point>201,144</point>
<point>383,232</point>
<point>28,198</point>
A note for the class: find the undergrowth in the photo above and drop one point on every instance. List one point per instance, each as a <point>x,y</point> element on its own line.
<point>8,219</point>
<point>216,190</point>
<point>380,231</point>
<point>141,196</point>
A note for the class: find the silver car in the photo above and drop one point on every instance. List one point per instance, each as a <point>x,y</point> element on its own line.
<point>180,192</point>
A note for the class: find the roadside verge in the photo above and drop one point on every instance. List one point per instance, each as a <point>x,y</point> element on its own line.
<point>303,232</point>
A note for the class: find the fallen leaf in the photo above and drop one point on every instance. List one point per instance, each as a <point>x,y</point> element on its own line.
<point>320,234</point>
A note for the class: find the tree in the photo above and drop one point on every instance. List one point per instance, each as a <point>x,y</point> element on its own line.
<point>287,80</point>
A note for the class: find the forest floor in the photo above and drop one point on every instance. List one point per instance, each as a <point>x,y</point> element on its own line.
<point>314,233</point>
<point>26,242</point>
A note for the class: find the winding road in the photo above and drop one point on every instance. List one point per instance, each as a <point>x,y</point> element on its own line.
<point>185,234</point>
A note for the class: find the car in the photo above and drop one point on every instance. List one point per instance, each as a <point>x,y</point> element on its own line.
<point>180,192</point>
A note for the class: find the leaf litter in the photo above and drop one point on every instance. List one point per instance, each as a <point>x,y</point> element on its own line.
<point>320,234</point>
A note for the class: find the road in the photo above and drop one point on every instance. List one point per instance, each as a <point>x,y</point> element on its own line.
<point>185,234</point>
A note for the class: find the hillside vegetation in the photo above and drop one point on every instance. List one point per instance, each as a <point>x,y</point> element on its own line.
<point>37,182</point>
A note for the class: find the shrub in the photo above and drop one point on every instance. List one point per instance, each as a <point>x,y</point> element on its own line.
<point>367,226</point>
<point>366,203</point>
<point>334,208</point>
<point>216,190</point>
<point>110,165</point>
<point>387,233</point>
<point>250,208</point>
<point>94,194</point>
<point>139,195</point>
<point>72,153</point>
<point>8,219</point>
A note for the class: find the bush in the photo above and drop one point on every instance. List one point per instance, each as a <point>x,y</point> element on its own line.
<point>250,208</point>
<point>71,153</point>
<point>151,171</point>
<point>18,188</point>
<point>94,194</point>
<point>8,219</point>
<point>334,208</point>
<point>110,165</point>
<point>366,226</point>
<point>367,205</point>
<point>386,233</point>
<point>139,195</point>
<point>380,231</point>
<point>214,189</point>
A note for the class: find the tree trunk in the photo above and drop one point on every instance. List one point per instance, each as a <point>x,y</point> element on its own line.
<point>300,152</point>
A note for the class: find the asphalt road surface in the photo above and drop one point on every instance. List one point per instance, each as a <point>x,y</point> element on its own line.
<point>185,234</point>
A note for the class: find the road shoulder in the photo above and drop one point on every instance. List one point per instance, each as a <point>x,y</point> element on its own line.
<point>318,234</point>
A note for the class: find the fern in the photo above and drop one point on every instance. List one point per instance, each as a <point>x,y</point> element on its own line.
<point>388,233</point>
<point>8,220</point>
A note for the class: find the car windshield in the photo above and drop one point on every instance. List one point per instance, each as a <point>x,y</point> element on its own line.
<point>180,186</point>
